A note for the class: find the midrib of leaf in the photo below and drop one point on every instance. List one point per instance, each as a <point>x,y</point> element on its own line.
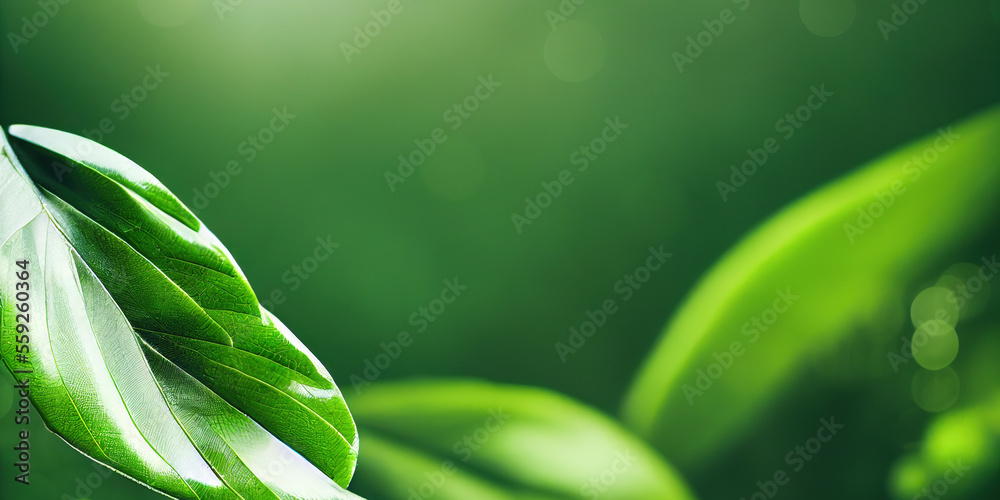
<point>263,344</point>
<point>188,433</point>
<point>66,206</point>
<point>139,343</point>
<point>79,260</point>
<point>53,198</point>
<point>43,210</point>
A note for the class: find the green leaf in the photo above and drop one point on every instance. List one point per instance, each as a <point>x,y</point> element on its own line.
<point>149,352</point>
<point>846,270</point>
<point>963,443</point>
<point>461,440</point>
<point>964,439</point>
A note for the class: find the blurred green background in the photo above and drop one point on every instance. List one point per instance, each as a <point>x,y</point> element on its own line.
<point>225,67</point>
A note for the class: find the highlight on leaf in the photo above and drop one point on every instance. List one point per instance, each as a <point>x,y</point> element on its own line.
<point>149,351</point>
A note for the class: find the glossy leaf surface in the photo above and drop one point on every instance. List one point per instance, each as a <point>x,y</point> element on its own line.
<point>148,349</point>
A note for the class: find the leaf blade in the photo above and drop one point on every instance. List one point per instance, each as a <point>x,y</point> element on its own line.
<point>838,296</point>
<point>107,391</point>
<point>540,445</point>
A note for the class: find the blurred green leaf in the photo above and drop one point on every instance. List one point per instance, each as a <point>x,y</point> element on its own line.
<point>961,450</point>
<point>458,440</point>
<point>961,447</point>
<point>148,350</point>
<point>821,269</point>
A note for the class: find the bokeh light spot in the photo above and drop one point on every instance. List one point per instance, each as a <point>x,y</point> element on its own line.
<point>168,14</point>
<point>456,171</point>
<point>963,433</point>
<point>575,51</point>
<point>971,291</point>
<point>935,345</point>
<point>827,17</point>
<point>935,391</point>
<point>934,303</point>
<point>908,475</point>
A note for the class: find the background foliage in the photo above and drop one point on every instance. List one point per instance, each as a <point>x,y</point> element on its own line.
<point>324,177</point>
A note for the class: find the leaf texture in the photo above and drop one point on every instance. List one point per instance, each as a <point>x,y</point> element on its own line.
<point>149,351</point>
